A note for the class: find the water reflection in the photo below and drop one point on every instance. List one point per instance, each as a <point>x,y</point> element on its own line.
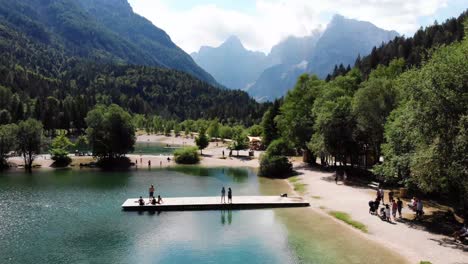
<point>237,175</point>
<point>223,217</point>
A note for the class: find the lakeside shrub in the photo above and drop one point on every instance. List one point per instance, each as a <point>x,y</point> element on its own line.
<point>187,155</point>
<point>280,147</point>
<point>275,166</point>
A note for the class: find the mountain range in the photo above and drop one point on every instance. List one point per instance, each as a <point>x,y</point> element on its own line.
<point>272,75</point>
<point>105,30</point>
<point>60,58</point>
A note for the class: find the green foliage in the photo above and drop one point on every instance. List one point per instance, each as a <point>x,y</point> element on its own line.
<point>110,131</point>
<point>60,148</point>
<point>280,147</point>
<point>29,140</point>
<point>426,135</point>
<point>186,155</point>
<point>82,144</point>
<point>202,140</point>
<point>7,142</point>
<point>275,166</point>
<point>342,216</point>
<point>296,120</point>
<point>42,81</point>
<point>239,140</point>
<point>214,129</point>
<point>255,130</point>
<point>269,128</point>
<point>371,106</point>
<point>226,132</point>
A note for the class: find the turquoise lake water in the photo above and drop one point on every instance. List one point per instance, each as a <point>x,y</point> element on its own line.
<point>73,216</point>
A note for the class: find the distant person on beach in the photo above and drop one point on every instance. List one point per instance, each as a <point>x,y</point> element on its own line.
<point>160,163</point>
<point>149,163</point>
<point>151,191</point>
<point>223,195</point>
<point>399,206</point>
<point>387,212</point>
<point>168,159</point>
<point>390,195</point>
<point>160,200</point>
<point>229,195</point>
<point>141,202</point>
<point>380,194</point>
<point>336,178</point>
<point>419,208</point>
<point>394,209</point>
<point>136,162</point>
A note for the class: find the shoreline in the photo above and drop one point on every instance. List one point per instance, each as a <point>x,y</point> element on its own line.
<point>407,241</point>
<point>412,243</point>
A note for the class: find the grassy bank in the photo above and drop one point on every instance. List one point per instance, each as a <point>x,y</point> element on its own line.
<point>347,219</point>
<point>297,184</point>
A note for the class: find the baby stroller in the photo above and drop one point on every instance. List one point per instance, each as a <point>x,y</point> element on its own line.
<point>372,208</point>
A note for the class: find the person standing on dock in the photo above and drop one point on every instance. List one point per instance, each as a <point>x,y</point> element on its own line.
<point>229,195</point>
<point>151,191</point>
<point>223,195</point>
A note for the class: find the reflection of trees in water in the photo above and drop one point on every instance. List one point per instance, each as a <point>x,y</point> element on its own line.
<point>86,178</point>
<point>238,175</point>
<point>193,170</point>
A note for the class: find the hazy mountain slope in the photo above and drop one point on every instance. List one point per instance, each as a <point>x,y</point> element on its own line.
<point>343,40</point>
<point>231,64</point>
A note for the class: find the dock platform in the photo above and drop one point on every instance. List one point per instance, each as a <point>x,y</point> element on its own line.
<point>214,203</point>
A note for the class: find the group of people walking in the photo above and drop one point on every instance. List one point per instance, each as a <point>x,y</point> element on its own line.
<point>152,199</point>
<point>388,210</point>
<point>393,207</point>
<point>223,195</point>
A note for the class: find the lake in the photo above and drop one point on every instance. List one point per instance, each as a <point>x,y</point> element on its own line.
<point>74,216</point>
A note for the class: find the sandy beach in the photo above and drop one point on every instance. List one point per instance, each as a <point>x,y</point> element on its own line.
<point>414,244</point>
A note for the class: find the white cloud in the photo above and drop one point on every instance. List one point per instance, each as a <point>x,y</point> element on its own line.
<point>273,20</point>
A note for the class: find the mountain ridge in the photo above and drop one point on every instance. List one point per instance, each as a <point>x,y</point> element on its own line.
<point>106,30</point>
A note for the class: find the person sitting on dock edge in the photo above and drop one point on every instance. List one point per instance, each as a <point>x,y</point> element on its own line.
<point>160,200</point>
<point>141,201</point>
<point>153,201</point>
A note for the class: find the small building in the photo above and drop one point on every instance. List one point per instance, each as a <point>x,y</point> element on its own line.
<point>255,143</point>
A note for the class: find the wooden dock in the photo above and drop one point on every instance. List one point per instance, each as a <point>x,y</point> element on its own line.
<point>213,203</point>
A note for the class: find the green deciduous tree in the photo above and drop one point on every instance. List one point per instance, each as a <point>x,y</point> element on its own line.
<point>59,150</point>
<point>296,121</point>
<point>239,140</point>
<point>8,134</point>
<point>269,128</point>
<point>110,131</point>
<point>202,140</point>
<point>29,141</point>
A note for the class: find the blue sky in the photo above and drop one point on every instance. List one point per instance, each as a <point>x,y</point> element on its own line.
<point>260,24</point>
